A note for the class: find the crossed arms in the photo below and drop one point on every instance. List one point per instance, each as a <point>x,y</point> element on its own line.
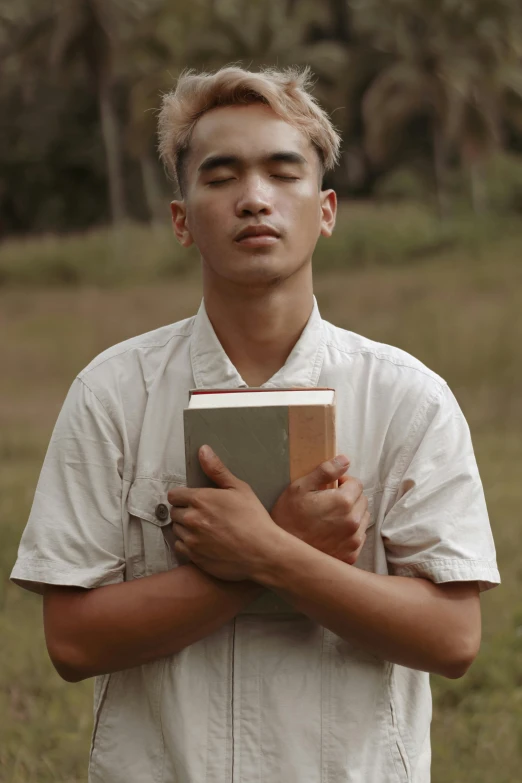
<point>304,550</point>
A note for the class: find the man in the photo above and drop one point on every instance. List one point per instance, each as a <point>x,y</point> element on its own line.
<point>230,644</point>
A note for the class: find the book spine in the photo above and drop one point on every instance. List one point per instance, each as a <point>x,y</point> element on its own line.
<point>312,438</point>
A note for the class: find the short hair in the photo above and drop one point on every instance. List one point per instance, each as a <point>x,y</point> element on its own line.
<point>285,91</point>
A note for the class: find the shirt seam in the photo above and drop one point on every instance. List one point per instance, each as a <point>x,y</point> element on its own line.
<point>107,412</point>
<point>88,370</point>
<point>56,564</point>
<point>439,381</point>
<point>440,561</point>
<point>421,415</point>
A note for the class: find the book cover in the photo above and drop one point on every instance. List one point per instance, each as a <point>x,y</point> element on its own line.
<point>276,438</point>
<point>266,437</point>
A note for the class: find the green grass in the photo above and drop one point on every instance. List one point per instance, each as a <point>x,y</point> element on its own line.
<point>459,310</point>
<point>365,236</point>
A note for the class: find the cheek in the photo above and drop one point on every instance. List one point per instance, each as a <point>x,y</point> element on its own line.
<point>304,215</point>
<point>206,221</point>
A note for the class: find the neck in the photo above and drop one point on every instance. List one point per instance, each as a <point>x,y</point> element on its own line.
<point>258,327</point>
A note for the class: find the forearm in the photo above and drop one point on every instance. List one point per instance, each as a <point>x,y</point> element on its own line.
<point>412,622</point>
<point>116,627</point>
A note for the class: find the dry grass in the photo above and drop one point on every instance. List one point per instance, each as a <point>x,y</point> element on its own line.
<point>461,313</point>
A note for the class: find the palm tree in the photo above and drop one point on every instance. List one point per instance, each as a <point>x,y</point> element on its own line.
<point>84,31</point>
<point>443,71</point>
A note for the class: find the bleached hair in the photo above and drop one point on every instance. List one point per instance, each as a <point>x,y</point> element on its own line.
<point>285,91</point>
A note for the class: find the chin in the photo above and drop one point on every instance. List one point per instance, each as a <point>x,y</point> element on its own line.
<point>265,269</point>
<point>266,278</point>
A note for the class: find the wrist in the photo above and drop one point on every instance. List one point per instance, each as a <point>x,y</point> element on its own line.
<point>281,549</point>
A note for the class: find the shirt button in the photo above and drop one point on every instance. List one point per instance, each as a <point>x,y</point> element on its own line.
<point>162,512</point>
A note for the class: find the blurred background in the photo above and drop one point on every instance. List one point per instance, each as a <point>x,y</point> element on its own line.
<point>426,256</point>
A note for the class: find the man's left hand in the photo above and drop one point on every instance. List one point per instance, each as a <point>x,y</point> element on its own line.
<point>226,531</point>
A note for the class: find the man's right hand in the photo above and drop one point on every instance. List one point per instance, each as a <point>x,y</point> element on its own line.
<point>331,520</point>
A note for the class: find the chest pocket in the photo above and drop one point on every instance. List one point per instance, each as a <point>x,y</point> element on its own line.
<point>151,539</point>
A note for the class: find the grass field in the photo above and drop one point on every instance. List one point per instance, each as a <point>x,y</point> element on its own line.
<point>456,305</point>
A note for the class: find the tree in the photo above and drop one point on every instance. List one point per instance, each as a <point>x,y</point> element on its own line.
<point>446,61</point>
<point>84,30</point>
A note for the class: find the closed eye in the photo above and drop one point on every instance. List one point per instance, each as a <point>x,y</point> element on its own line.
<point>219,181</point>
<point>286,179</point>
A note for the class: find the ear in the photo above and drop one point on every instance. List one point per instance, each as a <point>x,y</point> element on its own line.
<point>328,212</point>
<point>179,223</point>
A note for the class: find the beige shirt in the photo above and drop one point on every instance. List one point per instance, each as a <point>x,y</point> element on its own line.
<point>272,696</point>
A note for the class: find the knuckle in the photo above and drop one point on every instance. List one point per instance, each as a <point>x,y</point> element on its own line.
<point>190,540</point>
<point>358,541</point>
<point>295,489</point>
<point>352,525</point>
<point>190,517</point>
<point>345,502</point>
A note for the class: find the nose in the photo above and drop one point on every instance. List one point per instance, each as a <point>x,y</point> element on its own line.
<point>255,198</point>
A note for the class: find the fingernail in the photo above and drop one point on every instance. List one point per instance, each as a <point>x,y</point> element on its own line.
<point>205,451</point>
<point>342,460</point>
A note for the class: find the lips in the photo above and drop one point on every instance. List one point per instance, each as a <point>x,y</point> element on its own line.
<point>262,231</point>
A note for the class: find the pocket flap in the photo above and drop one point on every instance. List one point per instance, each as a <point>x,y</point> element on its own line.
<point>146,494</point>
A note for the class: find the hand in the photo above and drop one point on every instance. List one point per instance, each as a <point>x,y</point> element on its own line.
<point>227,532</point>
<point>331,520</point>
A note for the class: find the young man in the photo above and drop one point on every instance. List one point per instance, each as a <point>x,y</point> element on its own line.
<point>231,645</point>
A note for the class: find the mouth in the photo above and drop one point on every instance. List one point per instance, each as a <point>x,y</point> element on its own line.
<point>257,236</point>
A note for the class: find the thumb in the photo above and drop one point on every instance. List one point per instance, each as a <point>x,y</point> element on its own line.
<point>326,473</point>
<point>215,469</point>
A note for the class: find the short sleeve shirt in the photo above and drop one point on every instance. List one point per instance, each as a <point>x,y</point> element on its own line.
<point>272,695</point>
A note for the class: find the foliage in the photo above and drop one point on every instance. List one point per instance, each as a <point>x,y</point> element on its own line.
<point>434,86</point>
<point>400,234</point>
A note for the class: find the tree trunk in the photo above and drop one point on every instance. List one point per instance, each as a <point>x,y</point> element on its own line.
<point>439,167</point>
<point>157,205</point>
<point>340,16</point>
<point>111,142</point>
<point>479,193</point>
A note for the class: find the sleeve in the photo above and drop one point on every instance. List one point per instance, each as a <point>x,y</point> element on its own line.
<point>74,534</point>
<point>438,527</point>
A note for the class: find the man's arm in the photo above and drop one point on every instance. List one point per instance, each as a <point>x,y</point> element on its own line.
<point>90,632</point>
<point>409,621</point>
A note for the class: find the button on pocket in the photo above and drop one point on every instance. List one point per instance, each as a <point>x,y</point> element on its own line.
<point>151,539</point>
<point>162,512</point>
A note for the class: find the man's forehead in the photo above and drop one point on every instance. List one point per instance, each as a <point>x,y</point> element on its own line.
<point>245,131</point>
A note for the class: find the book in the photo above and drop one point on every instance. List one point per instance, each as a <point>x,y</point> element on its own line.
<point>266,437</point>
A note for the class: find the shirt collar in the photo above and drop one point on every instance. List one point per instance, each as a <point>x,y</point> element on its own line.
<point>213,369</point>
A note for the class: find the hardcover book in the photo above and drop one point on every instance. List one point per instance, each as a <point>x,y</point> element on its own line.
<point>266,437</point>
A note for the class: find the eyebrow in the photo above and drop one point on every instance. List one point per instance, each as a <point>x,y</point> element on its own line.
<point>215,161</point>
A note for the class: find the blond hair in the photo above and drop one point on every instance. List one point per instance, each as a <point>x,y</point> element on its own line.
<point>286,92</point>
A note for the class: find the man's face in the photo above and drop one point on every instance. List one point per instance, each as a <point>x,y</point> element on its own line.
<point>247,171</point>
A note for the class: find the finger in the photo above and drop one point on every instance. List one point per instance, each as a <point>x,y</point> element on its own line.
<point>359,508</point>
<point>365,521</point>
<point>352,557</point>
<point>182,496</point>
<point>352,488</point>
<point>179,530</point>
<point>216,470</point>
<point>354,517</point>
<point>325,473</point>
<point>180,547</point>
<point>179,515</point>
